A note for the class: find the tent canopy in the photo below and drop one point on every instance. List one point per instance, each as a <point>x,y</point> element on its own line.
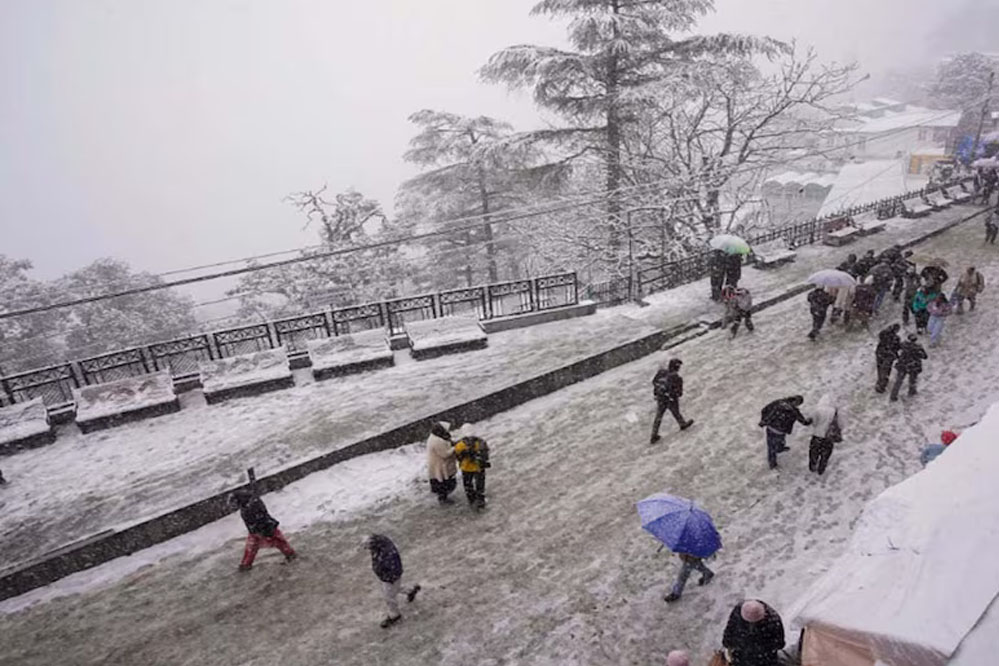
<point>920,572</point>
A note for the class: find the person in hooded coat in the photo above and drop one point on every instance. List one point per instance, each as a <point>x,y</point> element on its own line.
<point>969,286</point>
<point>667,388</point>
<point>900,267</point>
<point>924,296</point>
<point>387,565</point>
<point>754,634</point>
<point>819,301</point>
<point>778,418</point>
<point>909,294</point>
<point>864,265</point>
<point>882,278</point>
<point>716,273</point>
<point>909,364</point>
<point>442,466</point>
<point>992,227</point>
<point>827,431</point>
<point>886,354</point>
<point>733,270</point>
<point>849,265</point>
<point>262,528</point>
<point>932,451</point>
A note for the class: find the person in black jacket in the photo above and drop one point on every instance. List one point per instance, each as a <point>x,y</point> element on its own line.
<point>819,301</point>
<point>262,527</point>
<point>733,270</point>
<point>850,265</point>
<point>779,418</point>
<point>716,272</point>
<point>667,388</point>
<point>909,294</point>
<point>909,364</point>
<point>387,565</point>
<point>886,354</point>
<point>754,634</point>
<point>864,265</point>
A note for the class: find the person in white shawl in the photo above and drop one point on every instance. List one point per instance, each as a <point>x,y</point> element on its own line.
<point>827,430</point>
<point>441,465</point>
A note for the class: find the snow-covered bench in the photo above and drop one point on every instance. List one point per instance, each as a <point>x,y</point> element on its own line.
<point>914,210</point>
<point>938,201</point>
<point>349,353</point>
<point>869,225</point>
<point>958,195</point>
<point>776,253</point>
<point>247,374</point>
<point>841,232</point>
<point>24,425</point>
<point>447,335</point>
<point>121,401</point>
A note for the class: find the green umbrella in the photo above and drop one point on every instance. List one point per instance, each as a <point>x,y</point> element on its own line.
<point>730,244</point>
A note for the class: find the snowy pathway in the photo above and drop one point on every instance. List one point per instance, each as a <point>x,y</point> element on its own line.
<point>558,570</point>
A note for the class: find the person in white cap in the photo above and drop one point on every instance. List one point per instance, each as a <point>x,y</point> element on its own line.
<point>754,634</point>
<point>677,658</point>
<point>441,464</point>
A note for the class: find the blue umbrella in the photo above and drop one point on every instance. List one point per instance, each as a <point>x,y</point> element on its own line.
<point>681,525</point>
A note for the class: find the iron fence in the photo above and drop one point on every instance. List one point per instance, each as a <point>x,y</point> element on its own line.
<point>414,308</point>
<point>115,365</point>
<point>294,332</point>
<point>510,298</point>
<point>54,385</point>
<point>358,318</point>
<point>243,340</point>
<point>181,357</point>
<point>609,292</point>
<point>556,291</point>
<point>463,302</point>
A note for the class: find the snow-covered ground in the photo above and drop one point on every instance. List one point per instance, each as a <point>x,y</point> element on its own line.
<point>557,570</point>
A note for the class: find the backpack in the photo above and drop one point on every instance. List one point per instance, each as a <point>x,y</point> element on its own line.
<point>834,434</point>
<point>477,451</point>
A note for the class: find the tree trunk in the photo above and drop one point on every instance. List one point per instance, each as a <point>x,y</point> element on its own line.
<point>468,264</point>
<point>612,159</point>
<point>487,228</point>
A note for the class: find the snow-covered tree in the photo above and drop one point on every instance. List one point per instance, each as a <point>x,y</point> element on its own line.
<point>473,168</point>
<point>30,340</point>
<point>963,83</point>
<point>346,220</point>
<point>618,47</point>
<point>106,325</point>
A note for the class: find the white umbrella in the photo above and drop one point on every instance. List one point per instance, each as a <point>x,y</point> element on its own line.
<point>730,244</point>
<point>832,278</point>
<point>985,163</point>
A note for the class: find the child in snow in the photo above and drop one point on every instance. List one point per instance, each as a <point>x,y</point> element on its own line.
<point>387,565</point>
<point>262,527</point>
<point>738,307</point>
<point>932,451</point>
<point>939,309</point>
<point>473,459</point>
<point>689,564</point>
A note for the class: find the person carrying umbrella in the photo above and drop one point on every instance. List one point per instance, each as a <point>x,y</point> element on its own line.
<point>778,418</point>
<point>667,389</point>
<point>754,634</point>
<point>839,285</point>
<point>910,364</point>
<point>684,528</point>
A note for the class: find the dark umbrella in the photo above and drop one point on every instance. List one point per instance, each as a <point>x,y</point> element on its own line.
<point>934,274</point>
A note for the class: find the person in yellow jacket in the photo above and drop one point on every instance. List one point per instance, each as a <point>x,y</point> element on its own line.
<point>473,460</point>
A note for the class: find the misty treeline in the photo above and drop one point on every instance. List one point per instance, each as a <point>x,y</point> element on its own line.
<point>40,339</point>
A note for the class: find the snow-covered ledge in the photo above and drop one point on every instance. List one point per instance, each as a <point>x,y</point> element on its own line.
<point>447,335</point>
<point>130,399</point>
<point>350,353</point>
<point>24,425</point>
<point>247,374</point>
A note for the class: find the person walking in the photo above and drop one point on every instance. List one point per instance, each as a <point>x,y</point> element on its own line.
<point>920,301</point>
<point>819,301</point>
<point>473,457</point>
<point>900,267</point>
<point>778,418</point>
<point>886,354</point>
<point>667,389</point>
<point>939,309</point>
<point>849,265</point>
<point>827,431</point>
<point>689,564</point>
<point>992,227</point>
<point>733,270</point>
<point>882,277</point>
<point>909,295</point>
<point>754,634</point>
<point>864,265</point>
<point>716,273</point>
<point>261,527</point>
<point>969,286</point>
<point>909,364</point>
<point>387,565</point>
<point>863,305</point>
<point>442,467</point>
<point>738,307</point>
<point>843,305</point>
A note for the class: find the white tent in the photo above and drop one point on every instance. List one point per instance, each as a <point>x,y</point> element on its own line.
<point>918,584</point>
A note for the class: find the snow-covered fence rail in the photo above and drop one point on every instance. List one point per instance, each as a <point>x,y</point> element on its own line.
<point>182,357</point>
<point>114,366</point>
<point>243,340</point>
<point>54,385</point>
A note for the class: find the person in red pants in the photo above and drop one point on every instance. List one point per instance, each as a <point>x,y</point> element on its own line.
<point>262,527</point>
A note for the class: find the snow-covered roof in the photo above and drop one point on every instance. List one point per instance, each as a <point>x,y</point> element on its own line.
<point>885,101</point>
<point>918,583</point>
<point>864,182</point>
<point>913,116</point>
<point>801,179</point>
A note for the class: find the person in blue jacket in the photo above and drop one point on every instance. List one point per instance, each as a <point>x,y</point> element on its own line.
<point>931,451</point>
<point>387,565</point>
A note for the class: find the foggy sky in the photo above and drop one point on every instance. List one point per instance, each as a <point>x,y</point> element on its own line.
<point>166,132</point>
